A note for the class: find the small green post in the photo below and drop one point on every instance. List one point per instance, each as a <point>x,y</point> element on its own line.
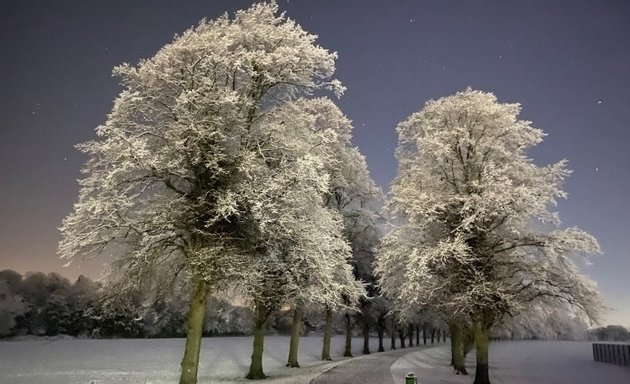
<point>411,378</point>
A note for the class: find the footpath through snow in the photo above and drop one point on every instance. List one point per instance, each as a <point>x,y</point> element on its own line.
<point>525,362</point>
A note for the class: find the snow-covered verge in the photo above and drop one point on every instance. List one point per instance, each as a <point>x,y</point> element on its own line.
<point>524,362</point>
<point>156,361</point>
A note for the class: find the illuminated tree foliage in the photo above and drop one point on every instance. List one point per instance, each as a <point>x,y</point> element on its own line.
<point>207,172</point>
<point>479,237</point>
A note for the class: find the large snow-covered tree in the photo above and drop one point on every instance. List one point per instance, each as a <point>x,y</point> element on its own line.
<point>163,189</point>
<point>481,236</point>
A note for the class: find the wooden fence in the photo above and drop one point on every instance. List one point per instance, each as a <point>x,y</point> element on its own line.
<point>618,354</point>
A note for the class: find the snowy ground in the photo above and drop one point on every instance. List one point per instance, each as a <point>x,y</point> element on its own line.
<point>156,361</point>
<point>529,362</point>
<point>225,360</point>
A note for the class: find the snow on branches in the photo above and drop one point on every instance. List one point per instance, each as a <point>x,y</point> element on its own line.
<point>209,156</point>
<point>476,214</point>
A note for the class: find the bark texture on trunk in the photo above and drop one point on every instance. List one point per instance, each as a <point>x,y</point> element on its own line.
<point>195,319</point>
<point>260,325</point>
<point>432,335</point>
<point>366,337</point>
<point>296,331</point>
<point>401,336</point>
<point>418,334</point>
<point>410,334</point>
<point>469,339</point>
<point>457,347</point>
<point>327,335</point>
<point>482,341</point>
<point>424,334</point>
<point>347,351</point>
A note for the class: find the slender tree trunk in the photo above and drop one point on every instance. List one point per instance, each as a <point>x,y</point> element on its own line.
<point>410,334</point>
<point>347,351</point>
<point>482,341</point>
<point>424,334</point>
<point>366,337</point>
<point>381,333</point>
<point>417,334</point>
<point>327,335</point>
<point>401,336</point>
<point>444,336</point>
<point>296,330</point>
<point>393,334</point>
<point>195,320</point>
<point>439,335</point>
<point>256,366</point>
<point>432,335</point>
<point>457,347</point>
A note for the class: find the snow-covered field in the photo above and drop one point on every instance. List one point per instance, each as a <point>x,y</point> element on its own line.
<point>156,361</point>
<point>226,359</point>
<point>525,362</point>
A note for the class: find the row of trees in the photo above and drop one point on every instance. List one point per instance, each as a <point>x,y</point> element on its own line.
<point>49,305</point>
<point>217,170</point>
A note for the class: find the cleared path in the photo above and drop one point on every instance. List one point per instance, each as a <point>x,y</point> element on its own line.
<point>366,369</point>
<point>523,362</point>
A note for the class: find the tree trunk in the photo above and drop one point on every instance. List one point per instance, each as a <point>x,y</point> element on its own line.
<point>482,341</point>
<point>469,339</point>
<point>195,320</point>
<point>439,335</point>
<point>424,334</point>
<point>432,335</point>
<point>296,330</point>
<point>366,337</point>
<point>381,333</point>
<point>327,335</point>
<point>256,367</point>
<point>393,334</point>
<point>401,335</point>
<point>410,335</point>
<point>348,347</point>
<point>457,347</point>
<point>418,334</point>
<point>444,336</point>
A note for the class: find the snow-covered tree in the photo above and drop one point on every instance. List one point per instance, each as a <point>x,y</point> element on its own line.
<point>480,236</point>
<point>163,190</point>
<point>354,195</point>
<point>301,256</point>
<point>11,306</point>
<point>543,320</point>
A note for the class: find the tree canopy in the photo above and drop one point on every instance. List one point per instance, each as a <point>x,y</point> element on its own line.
<point>479,234</point>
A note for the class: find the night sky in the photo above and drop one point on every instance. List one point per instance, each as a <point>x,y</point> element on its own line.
<point>566,62</point>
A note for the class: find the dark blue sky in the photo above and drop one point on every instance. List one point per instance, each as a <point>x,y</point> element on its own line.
<point>566,62</point>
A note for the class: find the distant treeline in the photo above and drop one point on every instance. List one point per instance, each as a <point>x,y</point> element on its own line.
<point>610,333</point>
<point>49,304</point>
